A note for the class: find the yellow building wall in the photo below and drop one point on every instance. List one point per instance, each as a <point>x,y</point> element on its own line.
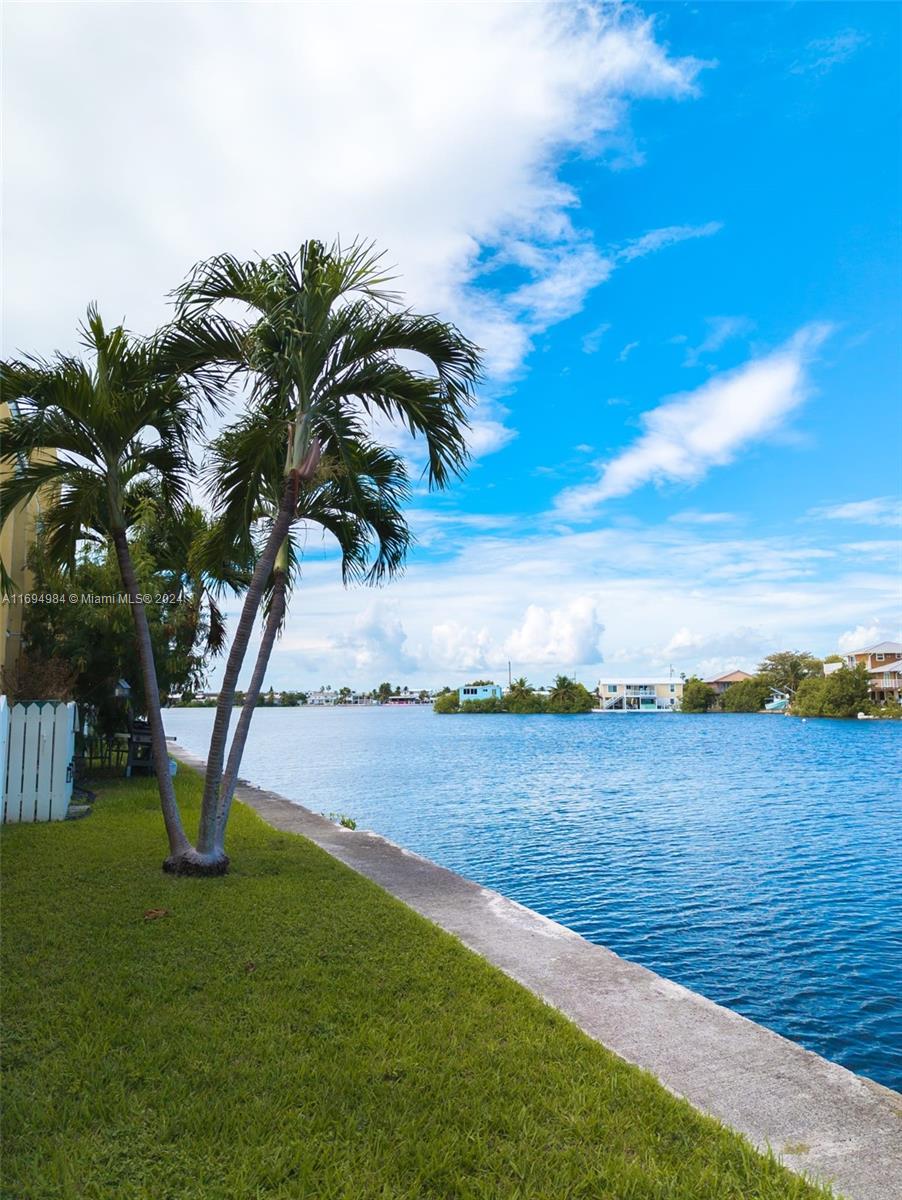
<point>16,537</point>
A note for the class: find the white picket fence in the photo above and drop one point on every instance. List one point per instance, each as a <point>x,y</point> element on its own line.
<point>37,752</point>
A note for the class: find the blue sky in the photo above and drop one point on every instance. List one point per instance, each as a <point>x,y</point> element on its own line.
<point>674,228</point>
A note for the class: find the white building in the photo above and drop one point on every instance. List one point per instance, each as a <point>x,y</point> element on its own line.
<point>644,694</point>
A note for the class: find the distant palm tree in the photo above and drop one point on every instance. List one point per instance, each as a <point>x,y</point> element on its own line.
<point>115,424</point>
<point>562,689</point>
<point>325,349</point>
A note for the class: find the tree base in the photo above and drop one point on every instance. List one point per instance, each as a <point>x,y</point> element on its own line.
<point>191,862</point>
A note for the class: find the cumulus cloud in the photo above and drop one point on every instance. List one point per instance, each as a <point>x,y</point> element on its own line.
<point>698,597</point>
<point>272,123</point>
<point>706,647</point>
<point>561,637</point>
<point>458,647</point>
<point>866,635</point>
<point>377,641</point>
<point>689,434</point>
<point>558,636</point>
<point>881,510</point>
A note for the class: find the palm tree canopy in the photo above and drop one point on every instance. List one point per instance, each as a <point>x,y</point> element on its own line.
<point>328,351</point>
<point>117,424</point>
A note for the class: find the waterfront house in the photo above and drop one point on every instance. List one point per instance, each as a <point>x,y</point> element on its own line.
<point>479,691</point>
<point>645,694</point>
<point>719,685</point>
<point>885,682</point>
<point>323,696</point>
<point>883,662</point>
<point>875,656</point>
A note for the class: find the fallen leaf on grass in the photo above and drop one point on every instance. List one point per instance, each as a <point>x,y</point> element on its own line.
<point>154,914</point>
<point>250,967</point>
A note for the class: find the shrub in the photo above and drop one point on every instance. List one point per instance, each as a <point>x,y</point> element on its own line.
<point>842,694</point>
<point>697,696</point>
<point>749,695</point>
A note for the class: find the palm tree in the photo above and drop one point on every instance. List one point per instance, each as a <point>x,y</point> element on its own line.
<point>380,480</point>
<point>322,347</point>
<point>115,425</point>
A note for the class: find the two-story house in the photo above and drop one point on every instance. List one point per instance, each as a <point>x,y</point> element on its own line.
<point>644,694</point>
<point>883,662</point>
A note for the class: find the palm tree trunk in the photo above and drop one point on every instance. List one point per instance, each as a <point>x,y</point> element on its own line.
<point>206,838</point>
<point>178,842</point>
<point>239,739</point>
<point>207,833</point>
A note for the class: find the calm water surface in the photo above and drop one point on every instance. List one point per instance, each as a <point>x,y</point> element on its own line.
<point>757,860</point>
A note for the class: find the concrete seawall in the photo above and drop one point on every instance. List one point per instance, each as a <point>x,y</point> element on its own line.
<point>819,1118</point>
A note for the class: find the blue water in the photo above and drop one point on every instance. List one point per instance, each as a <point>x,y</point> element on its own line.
<point>754,859</point>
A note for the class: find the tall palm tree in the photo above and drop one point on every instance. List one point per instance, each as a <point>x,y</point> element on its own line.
<point>325,348</point>
<point>373,543</point>
<point>123,419</point>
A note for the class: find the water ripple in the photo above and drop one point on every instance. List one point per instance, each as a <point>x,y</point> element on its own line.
<point>754,859</point>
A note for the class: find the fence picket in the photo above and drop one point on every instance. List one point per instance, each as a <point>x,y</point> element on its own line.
<point>44,766</point>
<point>15,751</point>
<point>30,761</point>
<point>65,718</point>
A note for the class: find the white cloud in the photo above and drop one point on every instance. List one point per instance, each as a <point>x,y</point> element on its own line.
<point>250,127</point>
<point>457,647</point>
<point>862,636</point>
<point>707,648</point>
<point>627,351</point>
<point>592,340</point>
<point>691,516</point>
<point>881,510</point>
<point>374,642</point>
<point>689,434</point>
<point>657,239</point>
<point>671,593</point>
<point>720,331</point>
<point>558,636</point>
<point>822,54</point>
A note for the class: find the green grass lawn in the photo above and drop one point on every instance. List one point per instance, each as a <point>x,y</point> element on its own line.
<point>292,1031</point>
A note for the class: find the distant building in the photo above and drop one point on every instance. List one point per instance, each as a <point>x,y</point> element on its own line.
<point>885,686</point>
<point>876,655</point>
<point>323,696</point>
<point>479,691</point>
<point>645,694</point>
<point>722,682</point>
<point>883,662</point>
